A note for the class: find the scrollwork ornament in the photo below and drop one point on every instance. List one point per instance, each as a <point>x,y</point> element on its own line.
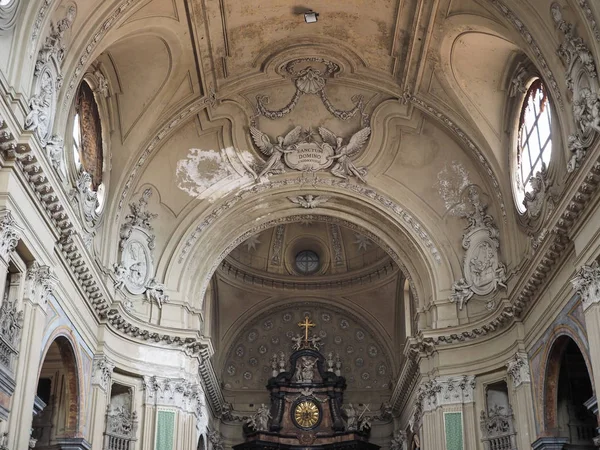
<point>102,371</point>
<point>518,369</point>
<point>10,234</point>
<point>39,283</point>
<point>587,284</point>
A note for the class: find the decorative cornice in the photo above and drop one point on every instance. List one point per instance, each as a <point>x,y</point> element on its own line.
<point>212,387</point>
<point>587,284</point>
<point>279,282</point>
<point>535,48</point>
<point>518,369</point>
<point>10,234</point>
<point>479,155</point>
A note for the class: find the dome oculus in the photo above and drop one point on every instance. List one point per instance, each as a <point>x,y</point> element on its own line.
<point>307,262</point>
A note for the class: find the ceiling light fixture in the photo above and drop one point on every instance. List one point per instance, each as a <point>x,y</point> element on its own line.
<point>311,16</point>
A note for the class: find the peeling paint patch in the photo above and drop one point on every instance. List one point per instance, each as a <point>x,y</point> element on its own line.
<point>212,173</point>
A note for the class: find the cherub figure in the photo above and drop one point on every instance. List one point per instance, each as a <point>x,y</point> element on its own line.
<point>275,151</point>
<point>344,167</point>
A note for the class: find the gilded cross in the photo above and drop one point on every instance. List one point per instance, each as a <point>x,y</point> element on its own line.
<point>306,325</point>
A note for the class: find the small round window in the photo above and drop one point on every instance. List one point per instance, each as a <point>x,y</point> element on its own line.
<point>307,262</point>
<point>534,145</point>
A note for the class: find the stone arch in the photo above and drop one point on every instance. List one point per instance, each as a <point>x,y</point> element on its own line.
<point>216,234</point>
<point>551,379</point>
<point>62,350</point>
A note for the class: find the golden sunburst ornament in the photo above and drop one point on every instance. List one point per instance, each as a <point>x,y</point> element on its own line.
<point>306,414</point>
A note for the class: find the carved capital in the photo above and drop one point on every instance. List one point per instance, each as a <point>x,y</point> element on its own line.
<point>102,371</point>
<point>10,233</point>
<point>40,282</point>
<point>448,390</point>
<point>518,369</point>
<point>178,393</point>
<point>587,284</point>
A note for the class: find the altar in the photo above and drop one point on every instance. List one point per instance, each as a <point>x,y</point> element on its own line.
<point>306,405</point>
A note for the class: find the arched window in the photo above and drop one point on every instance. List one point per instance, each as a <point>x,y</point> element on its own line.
<point>534,145</point>
<point>87,139</point>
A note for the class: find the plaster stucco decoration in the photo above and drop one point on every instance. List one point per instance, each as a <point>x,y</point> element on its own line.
<point>582,80</point>
<point>37,25</point>
<point>174,392</point>
<point>39,283</point>
<point>517,82</point>
<point>299,150</point>
<point>364,360</point>
<point>55,149</point>
<point>589,15</point>
<point>8,15</point>
<point>10,234</point>
<point>520,26</point>
<point>85,199</point>
<point>518,369</point>
<point>309,201</point>
<point>540,195</point>
<point>336,245</point>
<point>442,391</point>
<point>586,283</point>
<point>11,326</point>
<point>102,369</point>
<point>482,268</point>
<point>206,173</point>
<point>48,78</point>
<point>480,156</point>
<point>135,270</point>
<point>413,225</point>
<point>311,81</point>
<point>216,440</point>
<point>399,441</point>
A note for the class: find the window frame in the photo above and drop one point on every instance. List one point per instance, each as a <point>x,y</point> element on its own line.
<point>545,150</point>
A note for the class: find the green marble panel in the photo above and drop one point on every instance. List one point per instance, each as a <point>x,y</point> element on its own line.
<point>165,430</point>
<point>454,431</point>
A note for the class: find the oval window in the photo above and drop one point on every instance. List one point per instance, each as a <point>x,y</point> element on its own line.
<point>534,144</point>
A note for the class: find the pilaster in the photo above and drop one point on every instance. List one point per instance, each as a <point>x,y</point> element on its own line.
<point>446,413</point>
<point>38,284</point>
<point>102,369</point>
<point>587,284</point>
<point>172,409</point>
<point>522,399</point>
<point>10,233</point>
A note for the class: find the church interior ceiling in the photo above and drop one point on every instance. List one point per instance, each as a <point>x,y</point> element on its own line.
<point>236,137</point>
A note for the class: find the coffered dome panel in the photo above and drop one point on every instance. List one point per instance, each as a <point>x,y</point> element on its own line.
<point>365,359</point>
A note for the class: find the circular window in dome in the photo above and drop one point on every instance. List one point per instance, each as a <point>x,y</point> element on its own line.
<point>307,262</point>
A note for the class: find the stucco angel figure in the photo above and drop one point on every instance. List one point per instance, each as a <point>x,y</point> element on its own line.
<point>274,164</point>
<point>344,167</point>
